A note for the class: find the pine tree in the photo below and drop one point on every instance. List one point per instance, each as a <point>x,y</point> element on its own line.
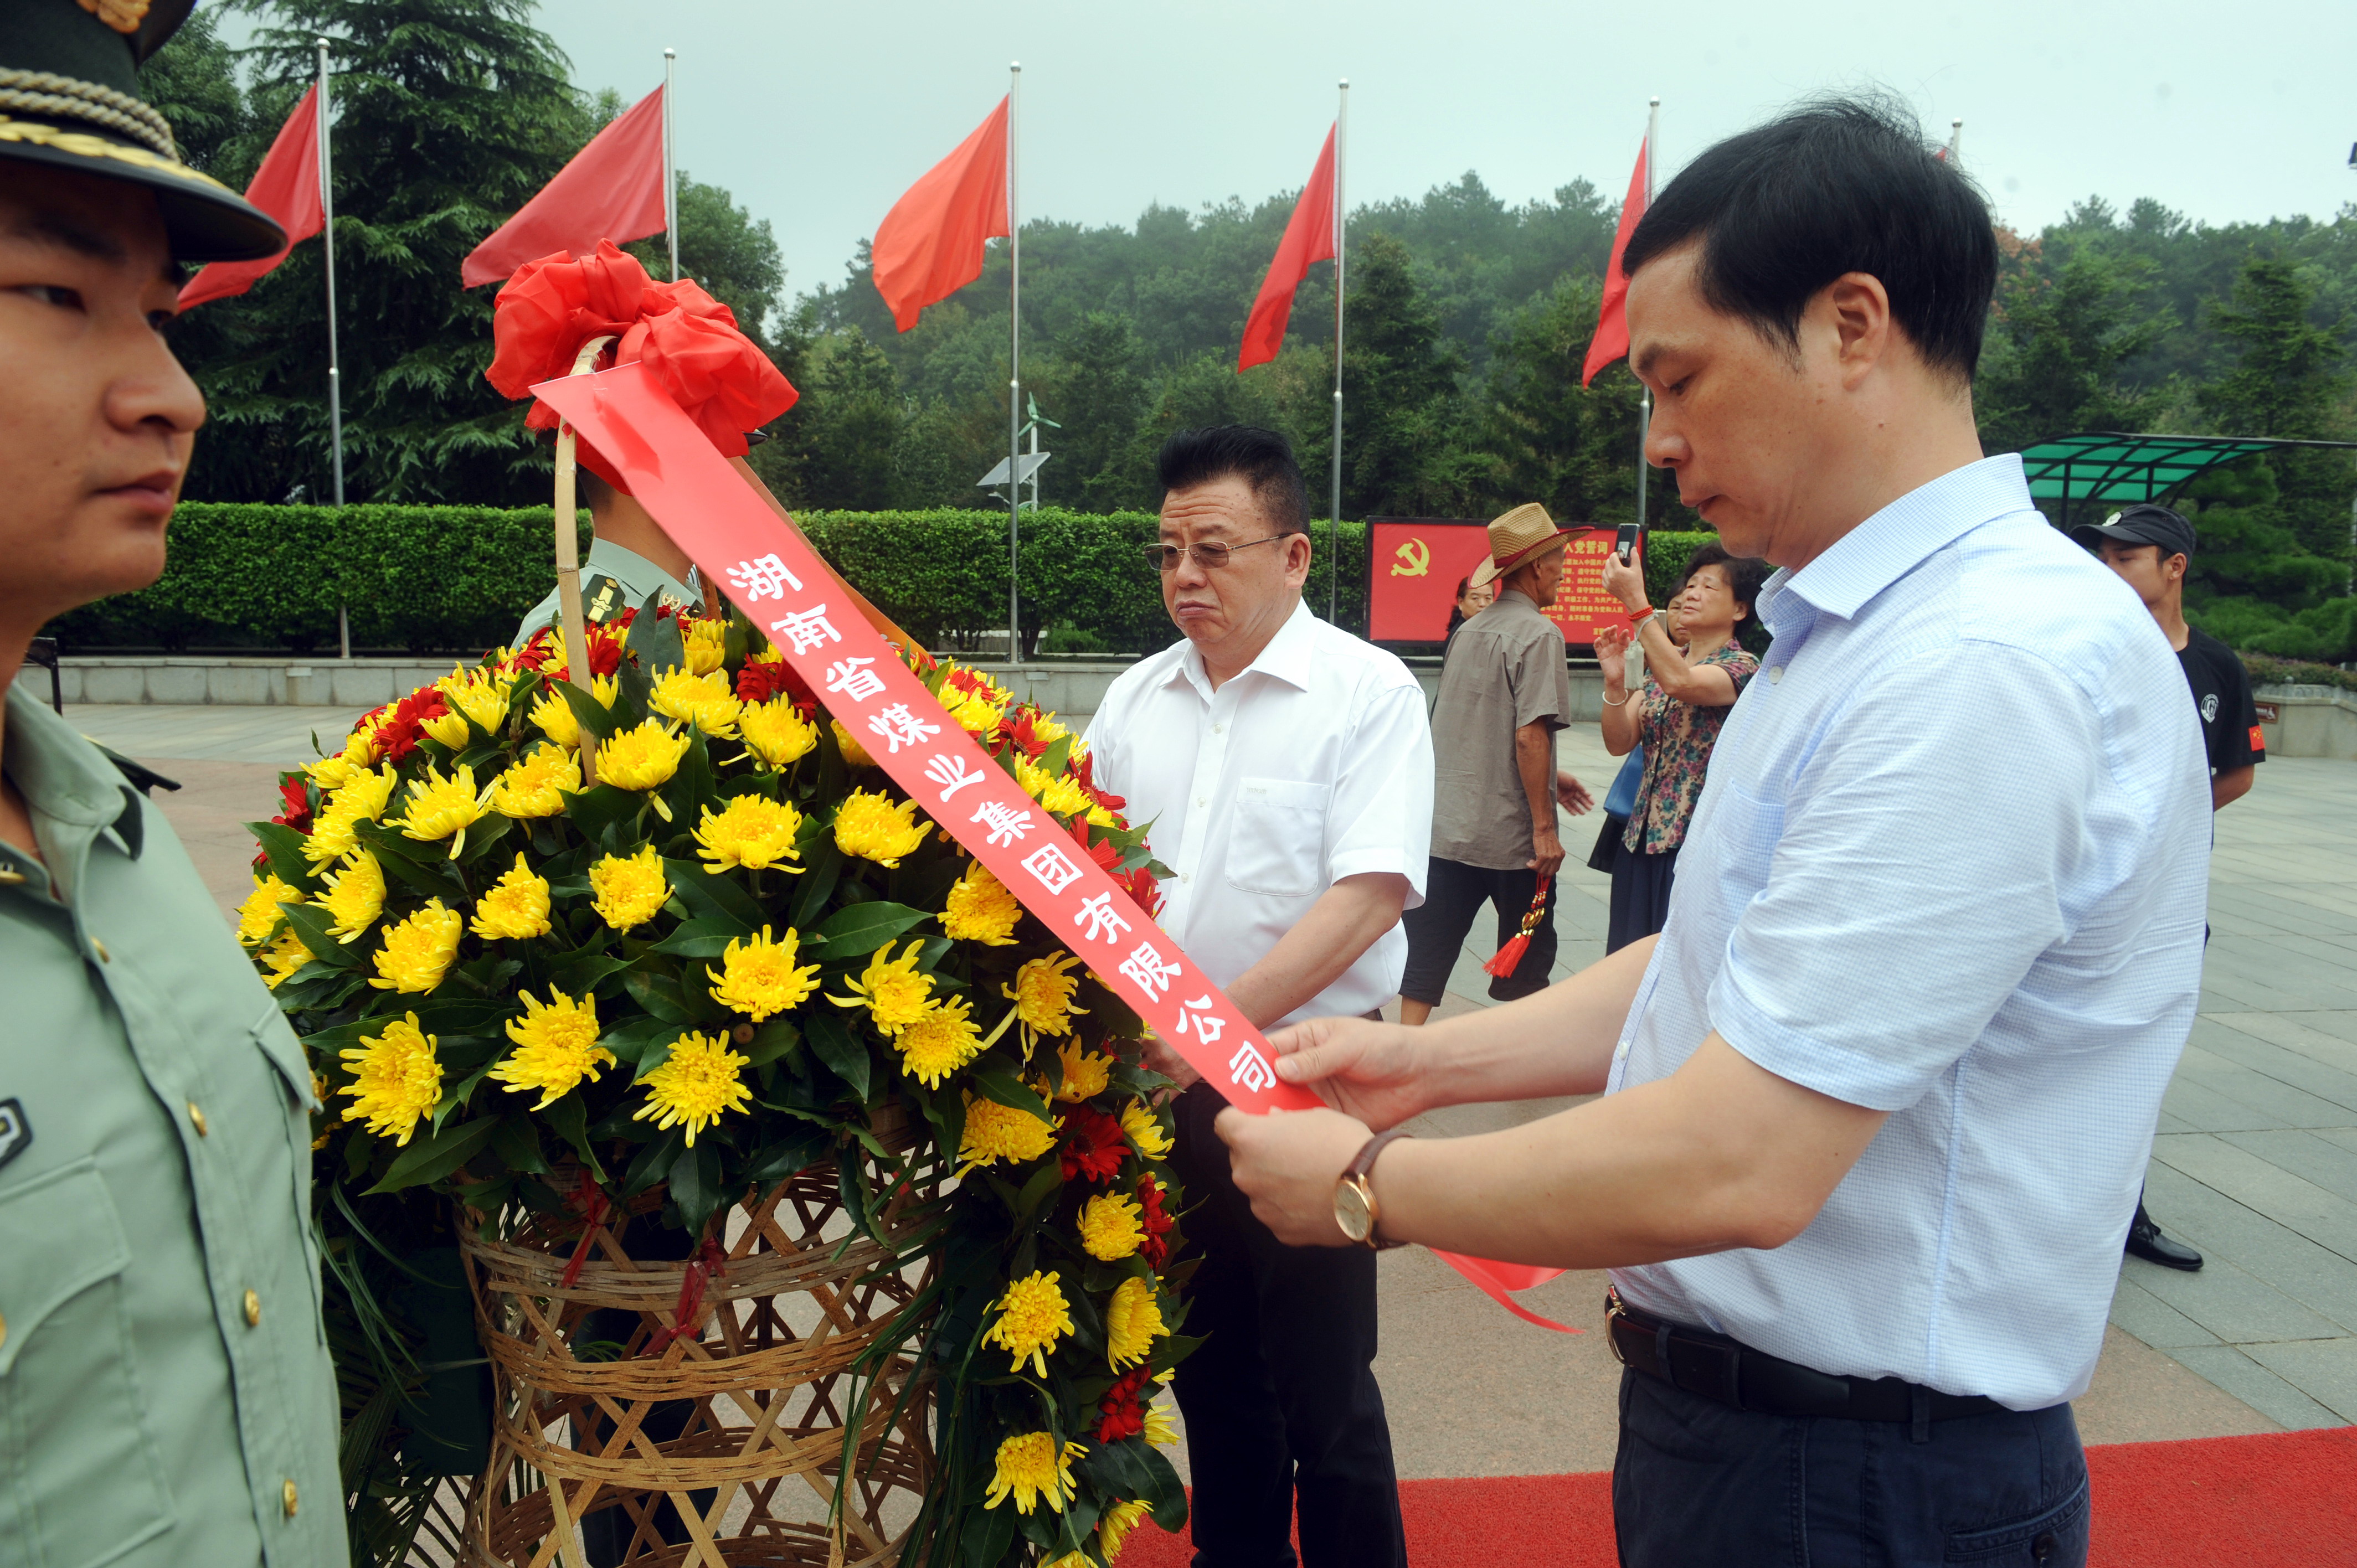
<point>2058,338</point>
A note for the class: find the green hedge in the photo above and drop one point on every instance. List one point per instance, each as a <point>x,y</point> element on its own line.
<point>457,579</point>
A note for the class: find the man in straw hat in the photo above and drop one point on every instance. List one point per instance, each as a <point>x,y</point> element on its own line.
<point>1875,1102</point>
<point>1504,692</point>
<point>163,1369</point>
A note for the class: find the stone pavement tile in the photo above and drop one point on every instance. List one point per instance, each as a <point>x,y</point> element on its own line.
<point>2256,1386</point>
<point>2278,980</point>
<point>2290,1105</point>
<point>2323,1217</point>
<point>2339,1025</point>
<point>2154,1321</point>
<point>209,812</point>
<point>2284,1047</point>
<point>2140,1395</point>
<point>2325,1156</point>
<point>277,735</point>
<point>2262,1281</point>
<point>2324,1370</point>
<point>2206,1110</point>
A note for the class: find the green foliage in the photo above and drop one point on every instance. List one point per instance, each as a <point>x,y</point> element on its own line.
<point>2058,338</point>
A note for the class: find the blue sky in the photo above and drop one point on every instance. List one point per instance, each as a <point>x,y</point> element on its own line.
<point>816,117</point>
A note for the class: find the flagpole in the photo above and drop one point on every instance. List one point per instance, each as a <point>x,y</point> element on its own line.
<point>671,178</point>
<point>335,369</point>
<point>1955,139</point>
<point>1334,463</point>
<point>1013,362</point>
<point>1644,394</point>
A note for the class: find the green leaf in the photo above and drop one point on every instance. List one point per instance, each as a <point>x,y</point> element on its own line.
<point>283,847</point>
<point>594,811</point>
<point>660,995</point>
<point>651,1161</point>
<point>310,923</point>
<point>600,722</point>
<point>833,1042</point>
<point>430,1158</point>
<point>771,1040</point>
<point>714,898</point>
<point>570,1119</point>
<point>518,1142</point>
<point>1052,761</point>
<point>816,886</point>
<point>583,975</point>
<point>997,1083</point>
<point>693,1184</point>
<point>484,835</point>
<point>629,1039</point>
<point>1044,1181</point>
<point>700,938</point>
<point>859,929</point>
<point>656,637</point>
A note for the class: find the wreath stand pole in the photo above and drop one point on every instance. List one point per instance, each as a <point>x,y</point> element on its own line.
<point>568,562</point>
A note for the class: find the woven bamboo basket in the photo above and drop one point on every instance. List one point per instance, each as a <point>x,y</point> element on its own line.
<point>765,1373</point>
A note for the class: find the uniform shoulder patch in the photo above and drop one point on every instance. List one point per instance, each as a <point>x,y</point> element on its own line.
<point>15,1132</point>
<point>143,779</point>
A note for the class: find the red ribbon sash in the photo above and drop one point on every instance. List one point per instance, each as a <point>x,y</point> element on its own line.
<point>778,581</point>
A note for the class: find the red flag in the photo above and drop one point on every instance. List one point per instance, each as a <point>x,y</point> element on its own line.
<point>286,187</point>
<point>613,189</point>
<point>1310,237</point>
<point>930,244</point>
<point>1611,340</point>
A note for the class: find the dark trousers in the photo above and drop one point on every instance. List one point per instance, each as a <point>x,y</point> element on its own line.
<point>1281,1403</point>
<point>1641,895</point>
<point>1699,1482</point>
<point>1453,895</point>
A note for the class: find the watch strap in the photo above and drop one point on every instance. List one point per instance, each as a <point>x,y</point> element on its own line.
<point>1365,1162</point>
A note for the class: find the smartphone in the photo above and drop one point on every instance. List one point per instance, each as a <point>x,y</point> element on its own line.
<point>1632,535</point>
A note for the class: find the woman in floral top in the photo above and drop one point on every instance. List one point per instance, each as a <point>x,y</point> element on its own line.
<point>1685,700</point>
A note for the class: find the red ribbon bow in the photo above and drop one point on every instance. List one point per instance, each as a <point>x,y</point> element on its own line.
<point>719,377</point>
<point>709,1263</point>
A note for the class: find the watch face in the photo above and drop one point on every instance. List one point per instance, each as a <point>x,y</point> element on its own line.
<point>1352,1212</point>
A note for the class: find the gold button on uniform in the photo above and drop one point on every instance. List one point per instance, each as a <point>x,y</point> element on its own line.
<point>10,877</point>
<point>286,1495</point>
<point>252,1310</point>
<point>196,1120</point>
<point>100,948</point>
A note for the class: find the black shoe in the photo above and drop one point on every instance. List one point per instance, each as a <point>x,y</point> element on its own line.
<point>2146,1240</point>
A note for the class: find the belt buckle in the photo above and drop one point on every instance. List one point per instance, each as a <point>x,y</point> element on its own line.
<point>1613,1315</point>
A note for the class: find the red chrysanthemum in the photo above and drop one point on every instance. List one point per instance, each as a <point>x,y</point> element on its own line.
<point>1142,889</point>
<point>397,735</point>
<point>1156,1222</point>
<point>297,796</point>
<point>1094,1143</point>
<point>761,679</point>
<point>1122,1410</point>
<point>1084,771</point>
<point>1021,726</point>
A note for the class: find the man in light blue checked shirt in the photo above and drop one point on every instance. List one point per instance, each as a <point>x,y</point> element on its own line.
<point>1878,1102</point>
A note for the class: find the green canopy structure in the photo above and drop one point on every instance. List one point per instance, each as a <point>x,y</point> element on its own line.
<point>2110,466</point>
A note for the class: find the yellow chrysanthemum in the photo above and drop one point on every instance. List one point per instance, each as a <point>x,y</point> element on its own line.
<point>694,1085</point>
<point>1042,994</point>
<point>751,830</point>
<point>942,1040</point>
<point>1160,1430</point>
<point>282,959</point>
<point>981,909</point>
<point>869,825</point>
<point>853,752</point>
<point>417,952</point>
<point>396,1079</point>
<point>1110,1229</point>
<point>557,1048</point>
<point>258,916</point>
<point>759,978</point>
<point>1114,1525</point>
<point>1059,794</point>
<point>1085,1072</point>
<point>995,1132</point>
<point>707,702</point>
<point>707,642</point>
<point>975,713</point>
<point>480,694</point>
<point>1032,1315</point>
<point>515,907</point>
<point>626,891</point>
<point>775,732</point>
<point>641,758</point>
<point>1144,1130</point>
<point>448,726</point>
<point>1133,1323</point>
<point>355,897</point>
<point>359,754</point>
<point>535,785</point>
<point>442,808</point>
<point>891,990</point>
<point>1070,1560</point>
<point>1030,1468</point>
<point>1045,728</point>
<point>554,716</point>
<point>362,798</point>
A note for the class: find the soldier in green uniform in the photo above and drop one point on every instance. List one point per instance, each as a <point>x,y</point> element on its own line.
<point>629,558</point>
<point>166,1394</point>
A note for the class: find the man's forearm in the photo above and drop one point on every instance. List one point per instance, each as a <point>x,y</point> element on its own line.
<point>1323,944</point>
<point>2230,785</point>
<point>1557,1041</point>
<point>1534,760</point>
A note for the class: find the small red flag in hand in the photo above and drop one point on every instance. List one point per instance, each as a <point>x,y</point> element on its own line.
<point>1611,340</point>
<point>930,244</point>
<point>1310,237</point>
<point>613,189</point>
<point>286,187</point>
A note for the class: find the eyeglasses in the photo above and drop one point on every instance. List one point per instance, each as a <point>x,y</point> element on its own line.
<point>1210,555</point>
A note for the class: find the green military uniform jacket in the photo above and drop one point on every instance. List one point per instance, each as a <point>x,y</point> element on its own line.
<point>631,578</point>
<point>166,1395</point>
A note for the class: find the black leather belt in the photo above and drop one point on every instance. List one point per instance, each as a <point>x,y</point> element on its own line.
<point>1717,1368</point>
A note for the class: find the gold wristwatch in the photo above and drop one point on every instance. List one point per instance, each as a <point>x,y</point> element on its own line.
<point>1354,1195</point>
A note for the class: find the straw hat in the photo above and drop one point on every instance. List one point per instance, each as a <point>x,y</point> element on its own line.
<point>1520,535</point>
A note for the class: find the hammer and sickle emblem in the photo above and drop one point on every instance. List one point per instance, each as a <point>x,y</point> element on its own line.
<point>1415,560</point>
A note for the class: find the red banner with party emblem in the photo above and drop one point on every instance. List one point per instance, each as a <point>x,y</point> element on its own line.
<point>1419,562</point>
<point>777,580</point>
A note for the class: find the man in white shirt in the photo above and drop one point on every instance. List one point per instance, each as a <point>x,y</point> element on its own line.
<point>1877,1100</point>
<point>1287,771</point>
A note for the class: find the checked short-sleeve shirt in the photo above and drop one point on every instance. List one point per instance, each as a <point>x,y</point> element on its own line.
<point>1950,862</point>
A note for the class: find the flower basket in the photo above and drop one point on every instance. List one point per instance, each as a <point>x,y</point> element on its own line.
<point>776,1362</point>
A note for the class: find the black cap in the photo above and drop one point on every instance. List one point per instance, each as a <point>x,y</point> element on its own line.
<point>2141,524</point>
<point>69,98</point>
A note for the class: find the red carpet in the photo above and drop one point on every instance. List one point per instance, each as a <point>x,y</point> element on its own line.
<point>2286,1499</point>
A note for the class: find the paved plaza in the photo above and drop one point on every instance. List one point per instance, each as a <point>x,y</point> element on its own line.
<point>2255,1162</point>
